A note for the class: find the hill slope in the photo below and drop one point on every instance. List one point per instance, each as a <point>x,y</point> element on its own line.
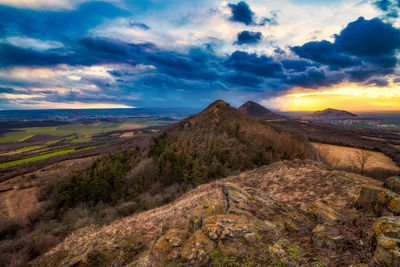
<point>220,140</point>
<point>290,213</point>
<point>330,114</point>
<point>258,112</point>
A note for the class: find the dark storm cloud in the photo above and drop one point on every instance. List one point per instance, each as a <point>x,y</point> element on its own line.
<point>86,51</point>
<point>383,4</point>
<point>243,79</point>
<point>326,53</point>
<point>315,78</point>
<point>363,49</point>
<point>56,25</point>
<point>297,65</point>
<point>252,63</point>
<point>248,37</point>
<point>6,90</point>
<point>140,25</point>
<point>368,38</point>
<point>380,82</point>
<point>241,12</point>
<point>197,64</point>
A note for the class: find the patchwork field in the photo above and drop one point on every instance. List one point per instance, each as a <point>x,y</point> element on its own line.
<point>340,156</point>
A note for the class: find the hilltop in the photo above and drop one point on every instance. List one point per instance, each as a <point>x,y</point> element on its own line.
<point>220,140</point>
<point>330,113</point>
<point>258,112</point>
<point>289,213</point>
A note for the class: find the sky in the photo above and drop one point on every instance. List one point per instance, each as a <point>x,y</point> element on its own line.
<point>288,55</point>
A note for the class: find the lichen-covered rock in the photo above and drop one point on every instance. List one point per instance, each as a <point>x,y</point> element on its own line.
<point>170,244</point>
<point>326,235</point>
<point>197,250</point>
<point>230,231</point>
<point>387,234</point>
<point>322,213</point>
<point>367,196</point>
<point>389,201</point>
<point>209,208</point>
<point>297,224</point>
<point>393,183</point>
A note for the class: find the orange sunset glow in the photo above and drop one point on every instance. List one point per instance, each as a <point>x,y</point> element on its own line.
<point>350,97</point>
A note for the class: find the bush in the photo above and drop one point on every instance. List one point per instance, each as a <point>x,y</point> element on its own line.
<point>9,228</point>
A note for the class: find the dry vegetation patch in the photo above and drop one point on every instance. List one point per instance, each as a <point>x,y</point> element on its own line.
<point>340,156</point>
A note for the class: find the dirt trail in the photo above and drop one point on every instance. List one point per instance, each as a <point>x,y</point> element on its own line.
<point>10,209</point>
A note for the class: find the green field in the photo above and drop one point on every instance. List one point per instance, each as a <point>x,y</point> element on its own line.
<point>76,129</point>
<point>30,148</point>
<point>40,156</point>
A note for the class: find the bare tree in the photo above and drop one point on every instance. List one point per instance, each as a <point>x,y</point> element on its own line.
<point>361,159</point>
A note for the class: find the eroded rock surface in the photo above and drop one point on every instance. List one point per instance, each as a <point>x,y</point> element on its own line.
<point>387,233</point>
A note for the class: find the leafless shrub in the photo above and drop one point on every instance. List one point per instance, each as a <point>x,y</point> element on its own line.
<point>361,160</point>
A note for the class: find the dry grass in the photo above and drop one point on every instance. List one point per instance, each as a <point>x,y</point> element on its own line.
<point>291,182</point>
<point>131,126</point>
<point>127,134</point>
<point>341,157</point>
<point>18,195</point>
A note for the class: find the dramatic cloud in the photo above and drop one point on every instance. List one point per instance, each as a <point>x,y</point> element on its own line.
<point>247,37</point>
<point>364,48</point>
<point>106,52</point>
<point>252,63</point>
<point>241,12</point>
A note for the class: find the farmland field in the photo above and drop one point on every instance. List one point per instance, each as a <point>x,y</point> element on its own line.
<point>340,156</point>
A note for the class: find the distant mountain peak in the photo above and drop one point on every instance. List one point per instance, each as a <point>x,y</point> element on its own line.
<point>258,111</point>
<point>330,113</point>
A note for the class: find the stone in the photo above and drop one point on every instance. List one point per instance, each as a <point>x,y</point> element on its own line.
<point>321,213</point>
<point>230,231</point>
<point>326,235</point>
<point>169,245</point>
<point>390,201</point>
<point>197,250</point>
<point>208,208</point>
<point>387,234</point>
<point>393,183</point>
<point>367,196</point>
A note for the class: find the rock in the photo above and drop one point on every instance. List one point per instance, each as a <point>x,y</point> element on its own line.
<point>209,208</point>
<point>298,224</point>
<point>367,196</point>
<point>230,231</point>
<point>393,183</point>
<point>387,234</point>
<point>390,201</point>
<point>326,236</point>
<point>169,245</point>
<point>321,213</point>
<point>197,250</point>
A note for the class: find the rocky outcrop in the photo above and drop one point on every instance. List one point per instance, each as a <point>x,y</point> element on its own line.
<point>228,226</point>
<point>322,213</point>
<point>291,213</point>
<point>387,233</point>
<point>326,235</point>
<point>387,228</point>
<point>393,183</point>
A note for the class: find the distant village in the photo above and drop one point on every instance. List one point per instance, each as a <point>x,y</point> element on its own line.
<point>358,121</point>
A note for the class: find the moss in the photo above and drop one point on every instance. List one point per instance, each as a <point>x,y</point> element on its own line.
<point>293,250</point>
